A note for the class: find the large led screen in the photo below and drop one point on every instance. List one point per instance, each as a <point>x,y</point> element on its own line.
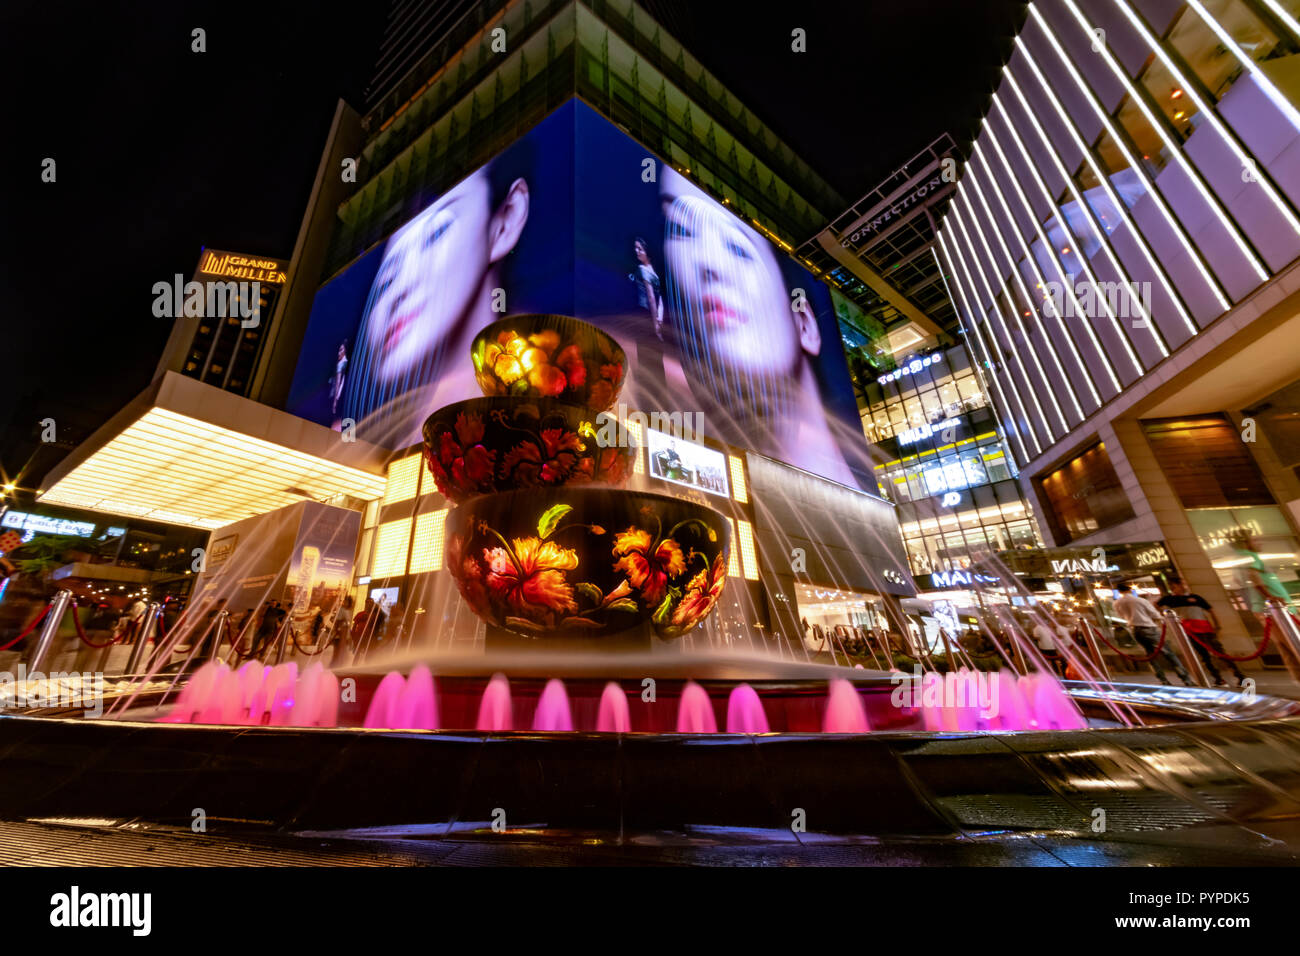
<point>577,218</point>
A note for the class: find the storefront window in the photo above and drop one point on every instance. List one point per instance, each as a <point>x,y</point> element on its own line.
<point>1213,63</point>
<point>995,463</point>
<point>1253,550</point>
<point>1085,495</point>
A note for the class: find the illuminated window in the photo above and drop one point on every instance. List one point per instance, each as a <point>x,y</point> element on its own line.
<point>638,432</point>
<point>738,489</point>
<point>748,556</point>
<point>392,544</point>
<point>426,551</point>
<point>371,514</point>
<point>427,485</point>
<point>733,559</point>
<point>403,479</point>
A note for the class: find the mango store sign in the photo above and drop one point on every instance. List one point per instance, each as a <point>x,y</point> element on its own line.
<point>948,579</point>
<point>1082,566</point>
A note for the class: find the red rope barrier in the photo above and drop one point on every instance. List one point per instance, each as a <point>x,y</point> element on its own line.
<point>1139,660</point>
<point>294,636</point>
<point>76,621</point>
<point>1224,656</point>
<point>30,627</point>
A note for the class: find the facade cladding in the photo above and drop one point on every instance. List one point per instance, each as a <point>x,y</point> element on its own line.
<point>1121,250</point>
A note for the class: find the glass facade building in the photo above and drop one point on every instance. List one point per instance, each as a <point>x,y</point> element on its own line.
<point>1122,250</point>
<point>947,468</point>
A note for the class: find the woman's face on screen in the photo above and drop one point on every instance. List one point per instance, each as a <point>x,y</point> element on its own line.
<point>728,284</point>
<point>432,270</point>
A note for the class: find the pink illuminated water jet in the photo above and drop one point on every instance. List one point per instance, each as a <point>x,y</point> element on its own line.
<point>745,714</point>
<point>695,711</point>
<point>495,709</point>
<point>613,717</point>
<point>844,711</point>
<point>553,708</point>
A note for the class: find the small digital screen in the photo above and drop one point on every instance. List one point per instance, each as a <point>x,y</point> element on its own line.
<point>686,463</point>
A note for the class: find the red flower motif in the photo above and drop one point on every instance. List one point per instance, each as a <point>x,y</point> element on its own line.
<point>647,568</point>
<point>701,594</point>
<point>462,464</point>
<point>469,576</point>
<point>570,362</point>
<point>532,584</point>
<point>552,463</point>
<point>607,465</point>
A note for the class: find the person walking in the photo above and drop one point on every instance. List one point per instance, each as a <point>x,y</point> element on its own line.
<point>1145,622</point>
<point>341,635</point>
<point>1202,627</point>
<point>1047,635</point>
<point>267,628</point>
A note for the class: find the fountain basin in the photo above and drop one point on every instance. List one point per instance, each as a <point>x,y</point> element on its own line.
<point>670,787</point>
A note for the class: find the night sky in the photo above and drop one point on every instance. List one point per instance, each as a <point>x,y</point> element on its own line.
<point>161,151</point>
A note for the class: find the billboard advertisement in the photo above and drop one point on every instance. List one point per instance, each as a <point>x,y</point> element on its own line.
<point>577,218</point>
<point>686,463</point>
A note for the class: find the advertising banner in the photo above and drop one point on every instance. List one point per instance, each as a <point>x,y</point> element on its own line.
<point>577,218</point>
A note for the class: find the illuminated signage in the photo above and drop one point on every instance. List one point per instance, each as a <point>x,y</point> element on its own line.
<point>221,550</point>
<point>952,499</point>
<point>42,524</point>
<point>948,579</point>
<point>913,435</point>
<point>1082,566</point>
<point>911,368</point>
<point>686,463</point>
<point>232,265</point>
<point>1151,556</point>
<point>933,184</point>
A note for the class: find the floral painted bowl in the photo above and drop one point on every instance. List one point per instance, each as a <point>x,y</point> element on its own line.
<point>588,562</point>
<point>485,445</point>
<point>549,356</point>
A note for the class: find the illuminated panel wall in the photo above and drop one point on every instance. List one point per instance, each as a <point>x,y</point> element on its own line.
<point>1136,176</point>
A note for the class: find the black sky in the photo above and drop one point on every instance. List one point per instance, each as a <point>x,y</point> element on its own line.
<point>161,151</point>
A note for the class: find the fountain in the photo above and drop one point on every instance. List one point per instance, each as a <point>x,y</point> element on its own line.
<point>581,711</point>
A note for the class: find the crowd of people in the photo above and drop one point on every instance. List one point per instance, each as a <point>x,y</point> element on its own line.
<point>1138,623</point>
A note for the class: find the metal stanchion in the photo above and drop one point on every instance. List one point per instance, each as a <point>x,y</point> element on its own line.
<point>1090,640</point>
<point>223,624</point>
<point>1191,660</point>
<point>282,640</point>
<point>147,625</point>
<point>1010,630</point>
<point>882,641</point>
<point>1285,628</point>
<point>49,628</point>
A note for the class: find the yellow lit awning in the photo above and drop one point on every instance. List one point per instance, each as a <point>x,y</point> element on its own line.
<point>169,466</point>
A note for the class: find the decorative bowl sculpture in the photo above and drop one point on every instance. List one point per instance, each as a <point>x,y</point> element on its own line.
<point>549,356</point>
<point>485,445</point>
<point>587,562</point>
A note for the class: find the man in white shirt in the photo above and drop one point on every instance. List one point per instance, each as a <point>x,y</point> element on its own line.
<point>1145,621</point>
